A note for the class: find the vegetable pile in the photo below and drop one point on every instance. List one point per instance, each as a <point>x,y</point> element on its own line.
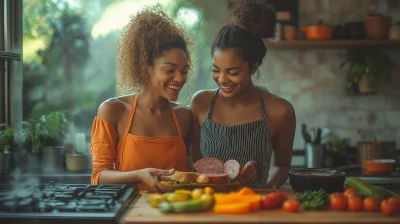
<point>312,200</point>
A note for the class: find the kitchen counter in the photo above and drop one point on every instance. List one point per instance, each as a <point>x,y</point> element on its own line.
<point>141,212</point>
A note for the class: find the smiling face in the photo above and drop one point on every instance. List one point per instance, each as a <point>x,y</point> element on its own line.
<point>169,73</point>
<point>230,72</point>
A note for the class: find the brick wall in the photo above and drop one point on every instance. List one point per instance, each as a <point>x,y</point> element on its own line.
<point>313,82</point>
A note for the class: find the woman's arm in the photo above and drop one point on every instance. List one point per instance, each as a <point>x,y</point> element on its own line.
<point>195,109</point>
<point>283,145</point>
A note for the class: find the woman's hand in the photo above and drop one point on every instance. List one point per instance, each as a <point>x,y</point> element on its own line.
<point>248,173</point>
<point>150,176</point>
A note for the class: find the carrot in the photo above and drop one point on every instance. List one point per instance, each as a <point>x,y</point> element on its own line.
<point>246,191</point>
<point>237,208</point>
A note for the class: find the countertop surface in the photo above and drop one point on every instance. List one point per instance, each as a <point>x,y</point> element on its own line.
<point>141,212</point>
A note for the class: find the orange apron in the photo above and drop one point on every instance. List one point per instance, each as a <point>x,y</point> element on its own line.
<point>139,152</point>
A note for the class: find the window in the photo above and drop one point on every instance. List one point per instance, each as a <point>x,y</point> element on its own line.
<point>69,51</point>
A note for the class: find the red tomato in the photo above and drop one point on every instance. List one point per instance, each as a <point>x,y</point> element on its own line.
<point>338,203</point>
<point>350,192</point>
<point>291,206</point>
<point>371,204</point>
<point>270,202</point>
<point>395,201</point>
<point>335,194</point>
<point>355,203</point>
<point>388,208</point>
<point>280,196</point>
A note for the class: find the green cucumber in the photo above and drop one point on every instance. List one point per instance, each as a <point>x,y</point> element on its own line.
<point>366,189</point>
<point>188,206</point>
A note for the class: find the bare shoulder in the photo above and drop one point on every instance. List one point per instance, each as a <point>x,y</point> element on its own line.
<point>184,117</point>
<point>112,109</point>
<point>277,107</point>
<point>201,100</point>
<point>181,110</point>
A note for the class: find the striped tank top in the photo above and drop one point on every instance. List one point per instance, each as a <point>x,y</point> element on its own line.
<point>244,142</point>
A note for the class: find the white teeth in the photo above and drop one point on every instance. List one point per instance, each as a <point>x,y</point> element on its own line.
<point>227,87</point>
<point>174,87</point>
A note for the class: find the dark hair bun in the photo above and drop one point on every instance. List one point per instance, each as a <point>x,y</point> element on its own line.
<point>255,16</point>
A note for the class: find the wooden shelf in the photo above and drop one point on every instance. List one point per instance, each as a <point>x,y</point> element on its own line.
<point>284,44</point>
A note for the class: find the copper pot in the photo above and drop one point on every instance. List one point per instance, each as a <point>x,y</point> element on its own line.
<point>319,31</point>
<point>370,150</point>
<point>382,167</point>
<point>376,27</point>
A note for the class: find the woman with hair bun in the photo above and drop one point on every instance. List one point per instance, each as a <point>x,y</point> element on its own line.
<point>140,136</point>
<point>239,120</point>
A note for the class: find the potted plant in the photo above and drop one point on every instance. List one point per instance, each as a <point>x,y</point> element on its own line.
<point>367,67</point>
<point>53,128</point>
<point>43,140</point>
<point>6,145</point>
<point>338,148</point>
<point>28,158</point>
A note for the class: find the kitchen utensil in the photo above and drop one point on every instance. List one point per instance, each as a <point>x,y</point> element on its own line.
<point>332,180</point>
<point>339,33</point>
<point>326,135</point>
<point>314,155</point>
<point>319,31</point>
<point>317,139</point>
<point>354,30</point>
<point>289,32</point>
<point>394,32</point>
<point>368,150</point>
<point>75,162</point>
<point>306,135</point>
<point>379,166</point>
<point>376,27</point>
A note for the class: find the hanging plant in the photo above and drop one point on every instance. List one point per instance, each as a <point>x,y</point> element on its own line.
<point>366,68</point>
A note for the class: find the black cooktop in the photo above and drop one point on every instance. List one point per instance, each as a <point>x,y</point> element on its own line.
<point>64,203</point>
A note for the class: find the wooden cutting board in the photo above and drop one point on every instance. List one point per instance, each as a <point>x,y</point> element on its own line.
<point>141,212</point>
<point>227,187</point>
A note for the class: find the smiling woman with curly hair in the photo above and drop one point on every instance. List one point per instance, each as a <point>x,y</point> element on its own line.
<point>140,136</point>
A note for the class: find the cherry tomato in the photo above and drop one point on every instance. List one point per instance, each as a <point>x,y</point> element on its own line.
<point>280,196</point>
<point>395,201</point>
<point>355,203</point>
<point>335,194</point>
<point>388,208</point>
<point>350,192</point>
<point>338,203</point>
<point>371,204</point>
<point>291,206</point>
<point>270,202</point>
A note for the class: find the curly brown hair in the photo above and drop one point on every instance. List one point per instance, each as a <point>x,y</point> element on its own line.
<point>146,37</point>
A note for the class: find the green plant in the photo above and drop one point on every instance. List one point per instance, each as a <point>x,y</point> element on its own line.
<point>49,130</point>
<point>375,64</point>
<point>339,146</point>
<point>53,128</point>
<point>31,133</point>
<point>6,138</point>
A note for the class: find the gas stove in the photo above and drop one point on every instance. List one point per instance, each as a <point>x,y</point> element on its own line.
<point>64,203</point>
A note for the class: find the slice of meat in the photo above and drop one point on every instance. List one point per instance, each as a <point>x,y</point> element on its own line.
<point>232,168</point>
<point>217,178</point>
<point>209,165</point>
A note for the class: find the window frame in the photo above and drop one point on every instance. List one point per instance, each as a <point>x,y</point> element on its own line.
<point>11,66</point>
